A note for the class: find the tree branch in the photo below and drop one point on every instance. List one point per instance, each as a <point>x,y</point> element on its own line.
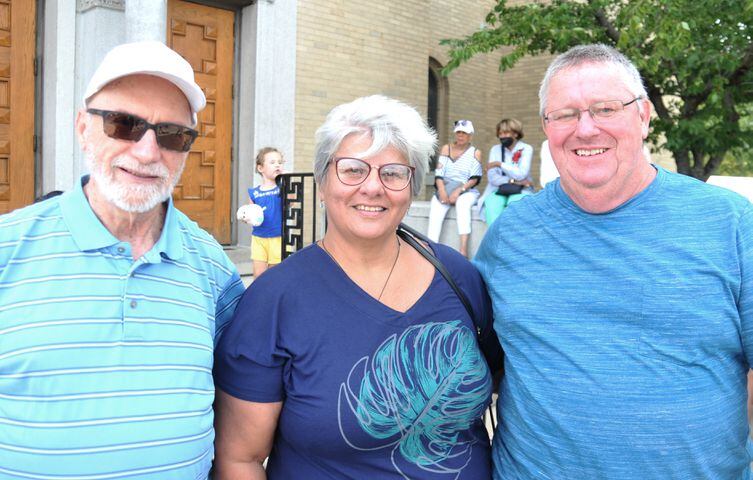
<point>682,161</point>
<point>745,65</point>
<point>714,161</point>
<point>603,21</point>
<point>657,99</point>
<point>734,80</point>
<point>732,116</point>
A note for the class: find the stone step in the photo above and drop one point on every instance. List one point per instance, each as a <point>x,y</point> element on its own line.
<point>240,255</point>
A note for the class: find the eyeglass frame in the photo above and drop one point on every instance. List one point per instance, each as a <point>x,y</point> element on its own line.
<point>410,168</point>
<point>594,117</point>
<point>149,126</point>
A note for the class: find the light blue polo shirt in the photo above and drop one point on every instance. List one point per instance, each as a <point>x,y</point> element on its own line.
<point>106,362</point>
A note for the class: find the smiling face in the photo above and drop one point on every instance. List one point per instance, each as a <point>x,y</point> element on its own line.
<point>134,176</point>
<point>368,211</point>
<point>603,158</point>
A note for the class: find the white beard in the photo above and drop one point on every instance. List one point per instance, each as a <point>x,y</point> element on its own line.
<point>132,198</point>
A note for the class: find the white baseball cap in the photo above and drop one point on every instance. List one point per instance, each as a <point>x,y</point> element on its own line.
<point>148,58</point>
<point>464,126</point>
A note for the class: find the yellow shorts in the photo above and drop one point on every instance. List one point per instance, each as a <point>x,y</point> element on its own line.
<point>267,250</point>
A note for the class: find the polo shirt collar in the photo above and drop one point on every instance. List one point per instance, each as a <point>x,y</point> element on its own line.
<point>170,241</point>
<point>89,233</point>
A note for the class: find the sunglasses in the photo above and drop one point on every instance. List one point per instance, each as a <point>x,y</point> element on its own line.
<point>124,126</point>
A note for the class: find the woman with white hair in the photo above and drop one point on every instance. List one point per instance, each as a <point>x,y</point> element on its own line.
<point>354,358</point>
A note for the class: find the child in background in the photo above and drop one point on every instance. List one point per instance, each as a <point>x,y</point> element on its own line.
<point>266,239</point>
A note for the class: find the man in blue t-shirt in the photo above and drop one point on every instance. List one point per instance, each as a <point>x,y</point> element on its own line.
<point>623,297</point>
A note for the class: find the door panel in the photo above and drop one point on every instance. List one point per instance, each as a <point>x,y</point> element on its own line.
<point>17,30</point>
<point>204,36</point>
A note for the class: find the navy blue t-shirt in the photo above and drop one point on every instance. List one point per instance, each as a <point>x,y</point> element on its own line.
<point>368,392</point>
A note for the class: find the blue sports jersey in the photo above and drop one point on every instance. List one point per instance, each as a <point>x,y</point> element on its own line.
<point>271,202</point>
<point>368,392</point>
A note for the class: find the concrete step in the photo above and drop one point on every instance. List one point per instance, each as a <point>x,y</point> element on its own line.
<point>240,255</point>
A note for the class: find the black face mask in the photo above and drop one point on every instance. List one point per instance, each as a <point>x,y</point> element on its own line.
<point>506,141</point>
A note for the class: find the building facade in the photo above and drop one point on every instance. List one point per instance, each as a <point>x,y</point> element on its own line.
<point>271,70</point>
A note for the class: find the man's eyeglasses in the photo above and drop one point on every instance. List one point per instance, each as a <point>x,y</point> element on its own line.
<point>601,112</point>
<point>124,126</point>
<point>462,123</point>
<point>354,171</point>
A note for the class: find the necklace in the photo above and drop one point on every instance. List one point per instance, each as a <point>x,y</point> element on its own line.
<point>389,275</point>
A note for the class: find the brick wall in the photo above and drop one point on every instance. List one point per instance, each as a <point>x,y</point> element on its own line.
<point>350,48</point>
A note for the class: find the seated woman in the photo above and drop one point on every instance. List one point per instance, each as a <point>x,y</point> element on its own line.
<point>509,165</point>
<point>458,173</point>
<point>354,358</point>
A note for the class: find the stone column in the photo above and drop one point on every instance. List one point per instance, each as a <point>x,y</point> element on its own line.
<point>266,106</point>
<point>146,20</point>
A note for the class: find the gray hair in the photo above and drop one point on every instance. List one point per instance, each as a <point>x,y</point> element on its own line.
<point>595,53</point>
<point>389,122</point>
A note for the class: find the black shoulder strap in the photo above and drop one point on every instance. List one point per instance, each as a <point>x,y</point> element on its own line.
<point>412,237</point>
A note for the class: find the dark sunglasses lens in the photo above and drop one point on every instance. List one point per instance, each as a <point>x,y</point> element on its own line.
<point>175,137</point>
<point>123,126</point>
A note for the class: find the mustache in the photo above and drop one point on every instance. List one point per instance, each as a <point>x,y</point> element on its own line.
<point>152,170</point>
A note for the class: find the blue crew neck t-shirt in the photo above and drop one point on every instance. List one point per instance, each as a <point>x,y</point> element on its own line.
<point>368,392</point>
<point>271,202</point>
<point>628,335</point>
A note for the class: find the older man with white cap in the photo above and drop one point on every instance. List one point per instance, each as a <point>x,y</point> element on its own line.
<point>110,298</point>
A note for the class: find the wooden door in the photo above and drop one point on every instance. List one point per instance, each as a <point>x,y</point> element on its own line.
<point>17,30</point>
<point>204,36</point>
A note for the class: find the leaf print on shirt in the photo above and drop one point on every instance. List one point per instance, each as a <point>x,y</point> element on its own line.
<point>418,391</point>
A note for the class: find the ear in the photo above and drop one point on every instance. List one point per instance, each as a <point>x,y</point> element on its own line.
<point>82,124</point>
<point>645,107</point>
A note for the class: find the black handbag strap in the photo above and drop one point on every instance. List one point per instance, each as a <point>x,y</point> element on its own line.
<point>412,237</point>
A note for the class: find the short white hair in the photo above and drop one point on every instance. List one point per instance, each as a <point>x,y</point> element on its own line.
<point>389,123</point>
<point>595,53</point>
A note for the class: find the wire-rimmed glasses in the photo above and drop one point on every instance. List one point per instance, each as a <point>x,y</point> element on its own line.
<point>601,112</point>
<point>354,171</point>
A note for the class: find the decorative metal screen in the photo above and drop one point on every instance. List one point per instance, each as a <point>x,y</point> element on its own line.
<point>299,211</point>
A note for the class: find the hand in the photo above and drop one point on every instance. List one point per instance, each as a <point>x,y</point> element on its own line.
<point>454,196</point>
<point>443,198</point>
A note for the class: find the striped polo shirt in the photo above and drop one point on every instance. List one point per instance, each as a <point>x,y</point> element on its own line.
<point>106,362</point>
<point>461,169</point>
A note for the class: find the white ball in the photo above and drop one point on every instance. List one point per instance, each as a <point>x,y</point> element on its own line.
<point>251,213</point>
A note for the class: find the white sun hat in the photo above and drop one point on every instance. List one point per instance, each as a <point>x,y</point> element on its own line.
<point>148,58</point>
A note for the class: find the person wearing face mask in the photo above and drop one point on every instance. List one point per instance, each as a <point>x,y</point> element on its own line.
<point>508,170</point>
